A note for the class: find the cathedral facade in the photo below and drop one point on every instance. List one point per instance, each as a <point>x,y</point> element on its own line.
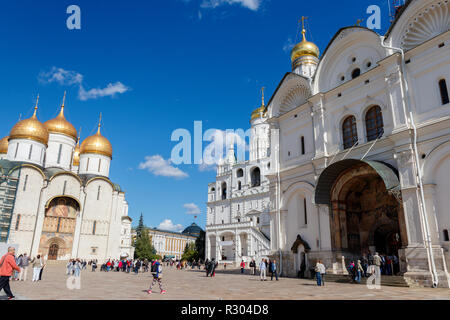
<point>56,198</point>
<point>360,149</point>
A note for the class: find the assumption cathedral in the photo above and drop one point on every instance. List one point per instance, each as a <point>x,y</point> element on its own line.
<point>56,198</point>
<point>350,156</point>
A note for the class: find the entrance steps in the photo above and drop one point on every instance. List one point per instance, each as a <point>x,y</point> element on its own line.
<point>390,281</point>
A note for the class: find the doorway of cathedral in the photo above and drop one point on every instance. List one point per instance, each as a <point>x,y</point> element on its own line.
<point>53,252</point>
<point>366,217</point>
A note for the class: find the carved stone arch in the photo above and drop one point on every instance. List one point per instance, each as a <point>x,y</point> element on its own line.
<point>428,23</point>
<point>432,161</point>
<point>418,22</point>
<point>25,165</point>
<point>295,97</point>
<point>299,187</point>
<point>292,92</point>
<point>67,173</point>
<point>344,43</point>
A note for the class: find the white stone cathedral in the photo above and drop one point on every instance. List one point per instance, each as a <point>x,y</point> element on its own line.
<point>358,159</point>
<point>56,198</point>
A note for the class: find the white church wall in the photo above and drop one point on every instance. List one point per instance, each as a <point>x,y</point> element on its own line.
<point>57,158</point>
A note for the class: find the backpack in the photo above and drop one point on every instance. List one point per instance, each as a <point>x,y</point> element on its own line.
<point>154,268</point>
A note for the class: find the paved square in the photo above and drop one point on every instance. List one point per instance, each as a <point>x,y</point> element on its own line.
<point>193,285</point>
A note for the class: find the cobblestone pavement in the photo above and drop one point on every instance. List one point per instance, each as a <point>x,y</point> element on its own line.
<point>193,285</point>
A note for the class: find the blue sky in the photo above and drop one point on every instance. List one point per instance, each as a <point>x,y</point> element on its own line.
<point>151,67</point>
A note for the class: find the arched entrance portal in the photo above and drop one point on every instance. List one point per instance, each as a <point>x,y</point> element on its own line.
<point>53,252</point>
<point>58,228</point>
<point>367,215</point>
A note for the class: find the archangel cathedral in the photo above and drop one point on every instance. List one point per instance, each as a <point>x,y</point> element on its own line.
<point>56,198</point>
<point>350,156</point>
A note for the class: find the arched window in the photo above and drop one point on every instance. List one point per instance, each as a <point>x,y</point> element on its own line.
<point>18,222</point>
<point>224,191</point>
<point>213,189</point>
<point>256,177</point>
<point>239,173</point>
<point>349,132</point>
<point>446,237</point>
<point>302,145</point>
<point>374,123</point>
<point>444,91</point>
<point>356,73</point>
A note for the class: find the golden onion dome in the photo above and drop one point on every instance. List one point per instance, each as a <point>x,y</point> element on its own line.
<point>4,145</point>
<point>258,113</point>
<point>261,111</point>
<point>97,144</point>
<point>76,155</point>
<point>61,125</point>
<point>304,48</point>
<point>31,129</point>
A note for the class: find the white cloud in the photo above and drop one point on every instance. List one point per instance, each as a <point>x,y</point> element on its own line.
<point>160,167</point>
<point>169,226</point>
<point>73,78</point>
<point>110,90</point>
<point>249,4</point>
<point>61,76</point>
<point>288,45</point>
<point>191,208</point>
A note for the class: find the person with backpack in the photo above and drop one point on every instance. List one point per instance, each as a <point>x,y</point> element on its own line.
<point>157,276</point>
<point>7,266</point>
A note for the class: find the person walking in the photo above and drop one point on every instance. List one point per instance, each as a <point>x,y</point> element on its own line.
<point>36,263</point>
<point>7,266</point>
<point>273,270</point>
<point>317,270</point>
<point>157,276</point>
<point>377,260</point>
<point>252,266</point>
<point>359,271</point>
<point>242,266</point>
<point>25,261</point>
<point>262,270</point>
<point>42,268</point>
<point>77,268</point>
<point>322,271</point>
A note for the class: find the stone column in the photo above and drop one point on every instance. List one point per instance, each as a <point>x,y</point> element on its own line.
<point>430,203</point>
<point>78,225</point>
<point>207,247</point>
<point>39,225</point>
<point>411,205</point>
<point>318,113</point>
<point>218,249</point>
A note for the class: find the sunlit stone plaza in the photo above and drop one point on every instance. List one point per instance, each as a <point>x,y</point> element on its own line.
<point>194,285</point>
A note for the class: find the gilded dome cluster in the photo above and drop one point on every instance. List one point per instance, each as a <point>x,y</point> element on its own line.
<point>33,129</point>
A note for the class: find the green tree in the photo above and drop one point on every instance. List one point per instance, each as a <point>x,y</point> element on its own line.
<point>140,226</point>
<point>143,246</point>
<point>200,245</point>
<point>190,252</point>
